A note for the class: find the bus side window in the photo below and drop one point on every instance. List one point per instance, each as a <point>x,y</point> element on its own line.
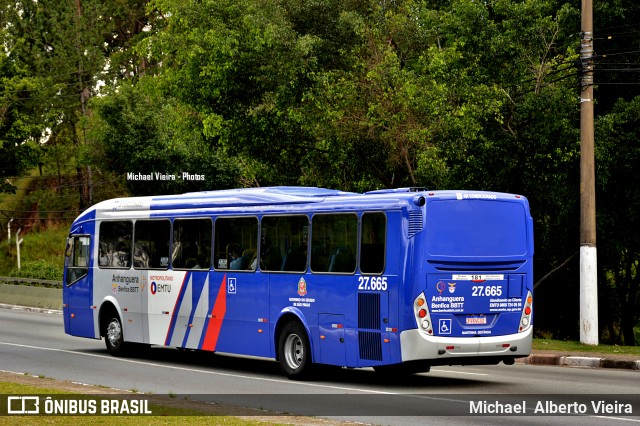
<point>334,243</point>
<point>191,244</point>
<point>114,244</point>
<point>236,243</point>
<point>151,244</point>
<point>372,243</point>
<point>284,243</point>
<point>78,261</point>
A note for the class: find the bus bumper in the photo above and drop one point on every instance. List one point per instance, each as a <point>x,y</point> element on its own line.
<point>416,345</point>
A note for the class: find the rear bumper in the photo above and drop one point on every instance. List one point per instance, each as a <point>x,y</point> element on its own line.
<point>416,345</point>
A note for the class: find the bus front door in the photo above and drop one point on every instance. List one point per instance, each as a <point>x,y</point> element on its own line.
<point>78,292</point>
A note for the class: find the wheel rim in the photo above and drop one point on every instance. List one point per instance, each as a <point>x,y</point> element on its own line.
<point>293,351</point>
<point>114,332</point>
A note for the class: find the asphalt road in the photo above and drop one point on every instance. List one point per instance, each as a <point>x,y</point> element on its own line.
<point>35,343</point>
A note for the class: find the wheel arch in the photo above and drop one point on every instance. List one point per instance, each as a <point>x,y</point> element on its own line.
<point>109,305</point>
<point>287,315</point>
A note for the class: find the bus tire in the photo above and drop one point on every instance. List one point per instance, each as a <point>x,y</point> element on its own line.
<point>294,351</point>
<point>113,336</point>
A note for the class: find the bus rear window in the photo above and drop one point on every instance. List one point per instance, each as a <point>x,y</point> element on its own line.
<point>476,228</point>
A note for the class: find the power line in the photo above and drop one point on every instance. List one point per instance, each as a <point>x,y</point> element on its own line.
<point>76,185</point>
<point>604,55</point>
<point>40,211</point>
<point>618,69</point>
<point>604,29</point>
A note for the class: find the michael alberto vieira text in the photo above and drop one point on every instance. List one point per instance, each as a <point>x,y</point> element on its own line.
<point>550,407</point>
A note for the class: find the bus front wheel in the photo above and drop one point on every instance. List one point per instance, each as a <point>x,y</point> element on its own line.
<point>294,351</point>
<point>113,336</point>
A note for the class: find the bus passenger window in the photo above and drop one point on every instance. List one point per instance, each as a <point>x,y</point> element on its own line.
<point>284,243</point>
<point>236,243</point>
<point>151,244</point>
<point>334,240</point>
<point>191,244</point>
<point>372,243</point>
<point>114,245</point>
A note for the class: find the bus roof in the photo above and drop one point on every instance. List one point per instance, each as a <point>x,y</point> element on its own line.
<point>286,195</point>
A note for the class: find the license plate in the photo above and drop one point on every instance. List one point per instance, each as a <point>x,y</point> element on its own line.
<point>476,320</point>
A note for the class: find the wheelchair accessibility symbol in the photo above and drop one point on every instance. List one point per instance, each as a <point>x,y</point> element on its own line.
<point>231,286</point>
<point>445,326</point>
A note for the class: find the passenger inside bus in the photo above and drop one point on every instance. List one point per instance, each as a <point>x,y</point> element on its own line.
<point>233,256</point>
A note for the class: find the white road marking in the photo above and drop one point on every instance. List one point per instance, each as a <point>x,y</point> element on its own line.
<point>460,372</point>
<point>254,378</point>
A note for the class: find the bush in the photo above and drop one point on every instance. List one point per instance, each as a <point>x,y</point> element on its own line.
<point>38,269</point>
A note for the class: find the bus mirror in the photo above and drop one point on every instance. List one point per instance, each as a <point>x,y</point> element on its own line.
<point>69,249</point>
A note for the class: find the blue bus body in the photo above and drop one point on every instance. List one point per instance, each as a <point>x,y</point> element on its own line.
<point>393,279</point>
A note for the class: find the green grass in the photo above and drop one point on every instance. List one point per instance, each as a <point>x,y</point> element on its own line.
<point>13,201</point>
<point>162,415</point>
<point>571,347</point>
<point>41,253</point>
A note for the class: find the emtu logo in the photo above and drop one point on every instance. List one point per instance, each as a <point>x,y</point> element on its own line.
<point>160,288</point>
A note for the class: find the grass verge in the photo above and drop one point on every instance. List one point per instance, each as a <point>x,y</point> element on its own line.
<point>162,414</point>
<point>166,410</point>
<point>40,253</point>
<point>577,348</point>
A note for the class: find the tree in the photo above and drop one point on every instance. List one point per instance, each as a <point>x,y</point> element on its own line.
<point>60,51</point>
<point>19,132</point>
<point>618,159</point>
<point>136,132</point>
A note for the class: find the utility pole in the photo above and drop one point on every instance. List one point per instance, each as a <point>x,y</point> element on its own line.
<point>588,253</point>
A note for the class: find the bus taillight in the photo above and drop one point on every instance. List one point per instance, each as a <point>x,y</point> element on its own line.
<point>525,319</point>
<point>423,319</point>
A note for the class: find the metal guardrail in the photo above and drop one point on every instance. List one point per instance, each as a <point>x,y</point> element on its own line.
<point>46,283</point>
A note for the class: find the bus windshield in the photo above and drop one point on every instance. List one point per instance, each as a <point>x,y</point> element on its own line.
<point>476,228</point>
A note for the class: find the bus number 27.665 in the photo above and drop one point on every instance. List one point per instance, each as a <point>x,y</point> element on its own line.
<point>372,283</point>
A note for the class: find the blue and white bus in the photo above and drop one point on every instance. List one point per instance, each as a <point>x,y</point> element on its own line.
<point>397,280</point>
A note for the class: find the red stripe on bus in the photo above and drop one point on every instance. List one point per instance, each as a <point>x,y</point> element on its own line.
<point>217,315</point>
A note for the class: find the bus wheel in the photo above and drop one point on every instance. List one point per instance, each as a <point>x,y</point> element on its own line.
<point>113,336</point>
<point>294,351</point>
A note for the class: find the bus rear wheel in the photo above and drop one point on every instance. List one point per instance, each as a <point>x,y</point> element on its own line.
<point>294,351</point>
<point>113,336</point>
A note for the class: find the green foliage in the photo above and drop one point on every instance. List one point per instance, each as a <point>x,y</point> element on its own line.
<point>618,220</point>
<point>38,269</point>
<point>348,94</point>
<point>42,254</point>
<point>136,133</point>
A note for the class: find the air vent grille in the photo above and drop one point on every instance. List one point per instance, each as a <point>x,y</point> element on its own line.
<point>370,344</point>
<point>415,222</point>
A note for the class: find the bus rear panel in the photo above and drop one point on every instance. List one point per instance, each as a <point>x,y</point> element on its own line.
<point>473,298</point>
